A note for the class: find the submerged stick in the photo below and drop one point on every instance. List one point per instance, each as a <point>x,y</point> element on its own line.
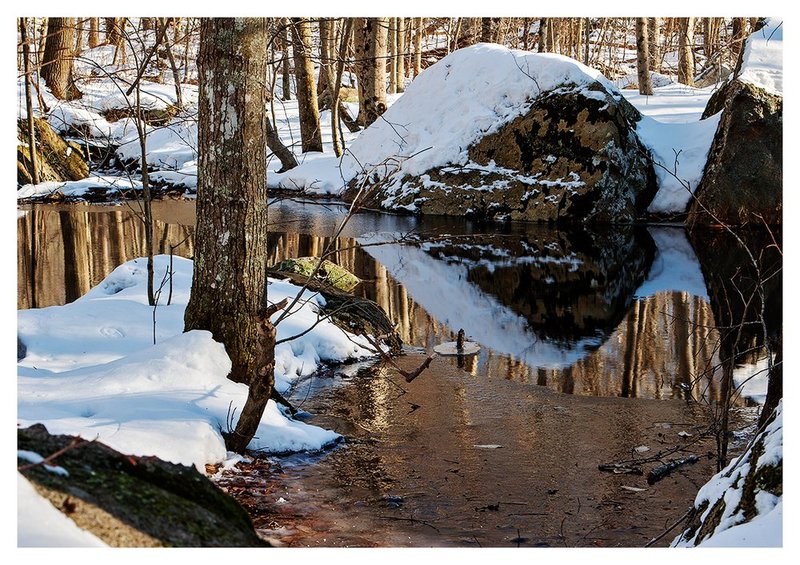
<point>660,472</point>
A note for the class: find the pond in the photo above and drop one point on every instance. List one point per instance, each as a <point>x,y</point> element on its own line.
<point>594,342</point>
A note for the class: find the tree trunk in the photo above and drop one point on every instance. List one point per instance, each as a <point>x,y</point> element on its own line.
<point>286,80</point>
<point>739,31</point>
<point>325,81</point>
<point>94,32</point>
<point>57,63</point>
<point>685,52</point>
<point>79,23</point>
<point>229,283</point>
<point>23,30</point>
<point>369,45</point>
<point>418,31</point>
<point>486,30</point>
<point>307,103</point>
<point>643,57</point>
<point>543,25</point>
<point>391,51</point>
<point>400,51</point>
<point>653,36</point>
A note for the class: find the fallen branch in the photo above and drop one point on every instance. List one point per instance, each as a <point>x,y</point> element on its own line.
<point>76,442</point>
<point>660,472</point>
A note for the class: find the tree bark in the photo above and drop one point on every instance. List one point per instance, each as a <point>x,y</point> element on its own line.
<point>418,31</point>
<point>23,30</point>
<point>643,57</point>
<point>307,103</point>
<point>94,32</point>
<point>58,54</point>
<point>400,51</point>
<point>229,283</point>
<point>391,52</point>
<point>543,33</point>
<point>653,36</point>
<point>486,30</point>
<point>369,45</point>
<point>685,52</point>
<point>286,81</point>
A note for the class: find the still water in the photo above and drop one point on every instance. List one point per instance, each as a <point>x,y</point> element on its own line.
<point>619,312</point>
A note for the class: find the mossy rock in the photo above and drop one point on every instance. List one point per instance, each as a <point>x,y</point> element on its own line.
<point>330,273</point>
<point>58,160</point>
<point>154,117</point>
<point>129,501</point>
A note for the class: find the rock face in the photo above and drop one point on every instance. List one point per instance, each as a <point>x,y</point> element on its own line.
<point>135,501</point>
<point>58,159</point>
<point>743,177</point>
<point>574,156</point>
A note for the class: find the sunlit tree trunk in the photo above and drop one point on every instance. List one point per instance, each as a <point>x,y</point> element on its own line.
<point>94,32</point>
<point>229,276</point>
<point>643,57</point>
<point>286,80</point>
<point>58,55</point>
<point>400,67</point>
<point>685,52</point>
<point>391,52</point>
<point>369,46</point>
<point>653,36</point>
<point>543,34</point>
<point>418,31</point>
<point>307,103</point>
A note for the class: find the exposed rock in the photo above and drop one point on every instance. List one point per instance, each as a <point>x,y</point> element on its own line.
<point>58,160</point>
<point>573,156</point>
<point>22,350</point>
<point>743,178</point>
<point>330,273</point>
<point>131,501</point>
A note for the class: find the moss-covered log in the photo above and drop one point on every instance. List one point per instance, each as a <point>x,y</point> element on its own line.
<point>59,160</point>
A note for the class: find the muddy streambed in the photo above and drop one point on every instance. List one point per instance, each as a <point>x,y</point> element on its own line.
<point>597,346</point>
<point>454,459</point>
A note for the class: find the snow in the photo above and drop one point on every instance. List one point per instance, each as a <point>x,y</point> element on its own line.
<point>763,530</point>
<point>762,58</point>
<point>92,370</point>
<point>675,266</point>
<point>40,524</point>
<point>78,188</point>
<point>751,380</point>
<point>678,139</point>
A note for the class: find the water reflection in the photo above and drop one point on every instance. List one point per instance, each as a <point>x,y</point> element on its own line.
<point>558,309</point>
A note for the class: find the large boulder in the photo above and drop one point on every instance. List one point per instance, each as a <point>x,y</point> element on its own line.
<point>494,133</point>
<point>58,160</point>
<point>743,177</point>
<point>129,501</point>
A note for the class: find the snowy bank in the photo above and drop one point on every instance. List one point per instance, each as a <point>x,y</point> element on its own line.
<point>91,369</point>
<point>742,506</point>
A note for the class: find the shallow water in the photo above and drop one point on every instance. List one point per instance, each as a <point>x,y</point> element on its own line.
<point>592,343</point>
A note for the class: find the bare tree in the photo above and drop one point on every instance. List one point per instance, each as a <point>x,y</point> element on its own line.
<point>643,57</point>
<point>419,30</point>
<point>653,35</point>
<point>94,32</point>
<point>307,103</point>
<point>229,283</point>
<point>686,52</point>
<point>58,56</point>
<point>369,44</point>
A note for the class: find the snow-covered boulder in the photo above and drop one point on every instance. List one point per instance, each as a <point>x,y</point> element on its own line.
<point>742,505</point>
<point>743,177</point>
<point>493,132</point>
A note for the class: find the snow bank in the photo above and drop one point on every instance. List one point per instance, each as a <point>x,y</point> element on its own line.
<point>78,188</point>
<point>765,528</point>
<point>92,370</point>
<point>762,58</point>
